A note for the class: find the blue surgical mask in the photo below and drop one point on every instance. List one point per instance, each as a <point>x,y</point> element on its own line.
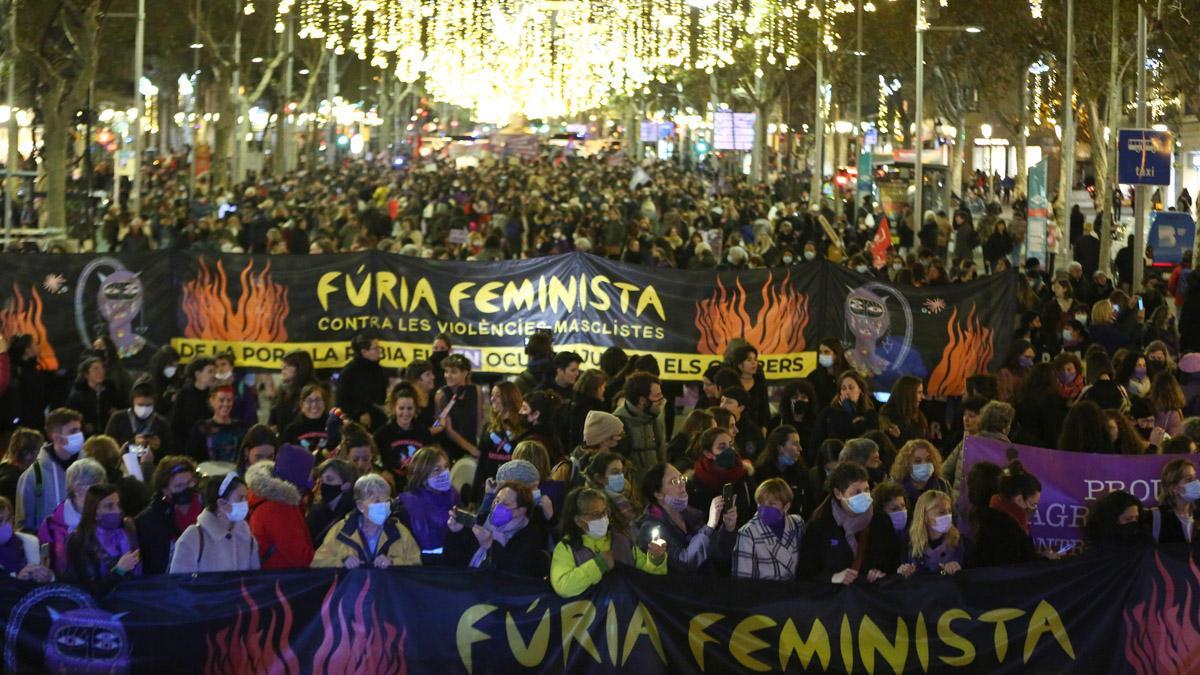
<point>74,443</point>
<point>378,512</point>
<point>1191,491</point>
<point>616,483</point>
<point>826,360</point>
<point>859,503</point>
<point>786,461</point>
<point>537,496</point>
<point>921,472</point>
<point>1024,361</point>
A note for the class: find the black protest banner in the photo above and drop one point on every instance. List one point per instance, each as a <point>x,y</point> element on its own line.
<point>67,301</point>
<point>941,334</point>
<point>1128,613</point>
<point>261,307</point>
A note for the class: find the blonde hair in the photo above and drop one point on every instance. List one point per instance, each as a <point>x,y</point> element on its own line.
<point>1172,473</point>
<point>902,466</point>
<point>773,487</point>
<point>917,533</point>
<point>103,449</point>
<point>534,453</point>
<point>1102,313</point>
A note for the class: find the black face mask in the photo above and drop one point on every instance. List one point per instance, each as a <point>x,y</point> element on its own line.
<point>330,492</point>
<point>437,357</point>
<point>1128,532</point>
<point>798,408</point>
<point>183,497</point>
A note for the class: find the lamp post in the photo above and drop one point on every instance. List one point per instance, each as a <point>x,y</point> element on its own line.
<point>139,141</point>
<point>1067,171</point>
<point>1139,195</point>
<point>818,169</point>
<point>919,107</point>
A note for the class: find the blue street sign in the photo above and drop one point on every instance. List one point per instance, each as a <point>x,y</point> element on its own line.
<point>1171,233</point>
<point>1144,157</point>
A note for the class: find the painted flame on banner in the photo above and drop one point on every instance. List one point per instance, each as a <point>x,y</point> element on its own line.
<point>25,316</point>
<point>968,352</point>
<point>259,315</point>
<point>777,327</point>
<point>1162,634</point>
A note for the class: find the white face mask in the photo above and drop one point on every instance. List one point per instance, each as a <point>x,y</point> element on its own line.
<point>224,377</point>
<point>826,360</point>
<point>598,528</point>
<point>239,510</point>
<point>143,411</point>
<point>809,255</point>
<point>169,371</point>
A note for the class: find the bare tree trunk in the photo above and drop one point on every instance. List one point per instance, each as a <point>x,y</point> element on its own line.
<point>1022,177</point>
<point>54,158</point>
<point>1103,188</point>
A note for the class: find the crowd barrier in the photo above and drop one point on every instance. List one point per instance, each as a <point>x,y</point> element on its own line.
<point>261,307</point>
<point>1132,612</point>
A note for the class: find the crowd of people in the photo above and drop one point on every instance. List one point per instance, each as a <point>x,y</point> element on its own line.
<point>563,473</point>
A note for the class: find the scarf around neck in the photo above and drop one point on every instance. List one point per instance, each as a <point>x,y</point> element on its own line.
<point>851,523</point>
<point>1006,506</point>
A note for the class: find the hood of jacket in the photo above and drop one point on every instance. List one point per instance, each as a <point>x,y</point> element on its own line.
<point>263,483</point>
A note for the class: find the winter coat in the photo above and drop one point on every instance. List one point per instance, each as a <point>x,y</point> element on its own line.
<point>54,532</point>
<point>124,426</point>
<point>825,550</point>
<point>362,387</point>
<point>40,489</point>
<point>95,406</point>
<point>277,520</point>
<point>158,533</point>
<point>645,437</point>
<point>396,543</point>
<point>694,551</point>
<point>1000,540</point>
<point>211,546</point>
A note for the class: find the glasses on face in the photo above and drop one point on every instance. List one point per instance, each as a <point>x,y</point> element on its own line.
<point>678,480</point>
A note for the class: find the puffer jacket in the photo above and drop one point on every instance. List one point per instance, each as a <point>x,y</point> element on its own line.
<point>277,520</point>
<point>346,541</point>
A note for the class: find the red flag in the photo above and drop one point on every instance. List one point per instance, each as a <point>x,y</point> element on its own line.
<point>881,243</point>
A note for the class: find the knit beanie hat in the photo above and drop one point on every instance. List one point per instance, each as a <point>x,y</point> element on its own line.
<point>600,426</point>
<point>518,470</point>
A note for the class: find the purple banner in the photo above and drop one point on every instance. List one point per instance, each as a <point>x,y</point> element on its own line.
<point>1071,482</point>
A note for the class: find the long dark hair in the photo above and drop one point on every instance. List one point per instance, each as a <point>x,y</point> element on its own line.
<point>770,455</point>
<point>87,523</point>
<point>1085,429</point>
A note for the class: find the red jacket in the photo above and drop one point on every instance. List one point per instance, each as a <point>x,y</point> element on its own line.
<point>277,520</point>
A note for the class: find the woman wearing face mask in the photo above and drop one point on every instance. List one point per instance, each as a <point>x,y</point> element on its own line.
<point>851,413</point>
<point>1173,520</point>
<point>589,548</point>
<point>1069,371</point>
<point>1074,338</point>
<point>918,469</point>
<point>935,545</point>
<point>540,414</point>
<point>105,546</point>
<point>221,540</point>
<point>1020,361</point>
<point>370,536</point>
<point>798,409</point>
<point>426,500</point>
<point>717,464</point>
<point>606,471</point>
<point>847,539</point>
<point>166,378</point>
<point>19,556</point>
<point>1115,523</point>
<point>783,458</point>
<point>889,498</point>
<point>175,507</point>
<point>1134,373</point>
<point>831,362</point>
<point>698,542</point>
<point>57,528</point>
<point>139,424</point>
<point>768,546</point>
<point>334,500</point>
<point>1002,529</point>
<point>507,540</point>
<point>1058,310</point>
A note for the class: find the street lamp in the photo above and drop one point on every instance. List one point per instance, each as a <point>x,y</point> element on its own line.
<point>918,146</point>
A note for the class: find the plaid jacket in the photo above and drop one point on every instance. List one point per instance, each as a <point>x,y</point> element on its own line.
<point>759,554</point>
